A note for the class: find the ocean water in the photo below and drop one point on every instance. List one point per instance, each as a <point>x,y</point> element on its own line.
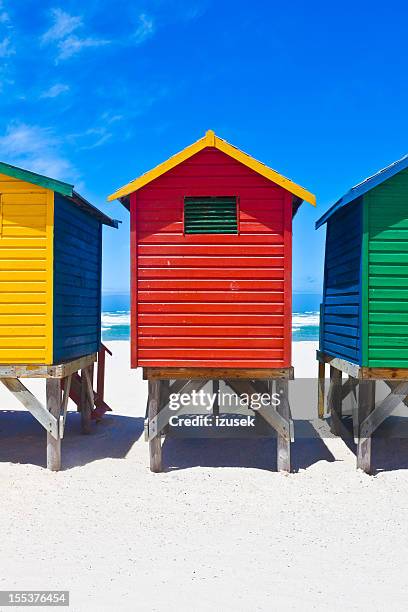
<point>116,317</point>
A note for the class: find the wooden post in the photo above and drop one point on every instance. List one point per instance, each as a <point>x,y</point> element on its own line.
<point>366,404</point>
<point>100,377</point>
<point>320,389</point>
<point>283,446</point>
<point>153,410</point>
<point>85,405</point>
<point>336,400</point>
<point>53,393</point>
<point>164,398</point>
<point>354,410</point>
<point>215,390</point>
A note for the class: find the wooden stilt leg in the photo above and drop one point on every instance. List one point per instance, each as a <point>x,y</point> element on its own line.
<point>164,398</point>
<point>85,405</point>
<point>53,392</point>
<point>153,410</point>
<point>366,404</point>
<point>215,390</point>
<point>354,412</point>
<point>100,376</point>
<point>335,405</point>
<point>283,445</point>
<point>320,391</point>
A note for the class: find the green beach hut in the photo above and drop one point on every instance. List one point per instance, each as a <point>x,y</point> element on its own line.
<point>364,315</point>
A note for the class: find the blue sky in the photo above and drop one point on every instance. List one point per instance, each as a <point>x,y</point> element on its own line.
<point>97,92</point>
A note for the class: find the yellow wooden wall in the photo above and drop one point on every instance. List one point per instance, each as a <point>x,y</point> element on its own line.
<point>26,272</point>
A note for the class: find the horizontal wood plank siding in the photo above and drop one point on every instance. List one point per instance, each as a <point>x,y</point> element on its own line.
<point>77,281</point>
<point>341,310</point>
<point>26,232</point>
<point>211,300</point>
<point>388,273</point>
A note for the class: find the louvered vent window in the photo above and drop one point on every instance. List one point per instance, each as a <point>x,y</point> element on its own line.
<point>210,215</point>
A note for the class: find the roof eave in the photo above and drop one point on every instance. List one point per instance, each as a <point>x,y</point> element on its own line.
<point>37,179</point>
<point>92,210</point>
<point>364,187</point>
<point>211,140</point>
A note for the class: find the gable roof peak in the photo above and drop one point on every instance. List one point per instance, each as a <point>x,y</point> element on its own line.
<point>210,139</point>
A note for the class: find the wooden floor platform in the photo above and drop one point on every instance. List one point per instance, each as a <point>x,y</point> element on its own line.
<point>360,384</point>
<point>163,382</point>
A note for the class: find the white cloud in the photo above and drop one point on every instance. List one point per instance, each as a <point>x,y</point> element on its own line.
<point>91,138</point>
<point>35,148</point>
<point>194,12</point>
<point>145,29</point>
<point>63,34</point>
<point>73,45</point>
<point>63,25</point>
<point>101,135</point>
<point>109,117</point>
<point>4,16</point>
<point>55,90</point>
<point>6,48</point>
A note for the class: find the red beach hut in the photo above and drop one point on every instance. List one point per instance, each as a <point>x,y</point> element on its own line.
<point>211,261</point>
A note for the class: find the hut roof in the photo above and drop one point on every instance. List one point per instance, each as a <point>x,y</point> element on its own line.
<point>64,189</point>
<point>211,140</point>
<point>361,188</point>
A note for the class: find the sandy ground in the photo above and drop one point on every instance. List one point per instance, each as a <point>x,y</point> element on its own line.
<point>220,530</point>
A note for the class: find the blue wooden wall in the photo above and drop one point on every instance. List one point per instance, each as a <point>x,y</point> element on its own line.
<point>77,281</point>
<point>340,334</point>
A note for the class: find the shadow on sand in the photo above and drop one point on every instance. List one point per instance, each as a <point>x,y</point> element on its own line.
<point>389,447</point>
<point>23,440</point>
<point>249,452</point>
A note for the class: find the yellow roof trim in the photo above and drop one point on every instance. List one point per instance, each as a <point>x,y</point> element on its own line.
<point>211,140</point>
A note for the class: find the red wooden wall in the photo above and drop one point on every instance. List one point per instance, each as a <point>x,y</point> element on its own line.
<point>211,300</point>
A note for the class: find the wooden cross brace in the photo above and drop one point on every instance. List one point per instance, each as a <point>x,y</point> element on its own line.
<point>383,409</point>
<point>155,426</point>
<point>338,391</point>
<point>53,425</point>
<point>284,427</point>
<point>158,412</point>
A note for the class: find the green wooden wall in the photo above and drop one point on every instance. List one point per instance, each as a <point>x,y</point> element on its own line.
<point>385,274</point>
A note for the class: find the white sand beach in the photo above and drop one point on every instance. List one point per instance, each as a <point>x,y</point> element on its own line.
<point>219,530</point>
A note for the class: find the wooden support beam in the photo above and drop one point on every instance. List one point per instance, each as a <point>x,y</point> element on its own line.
<point>363,372</point>
<point>89,384</point>
<point>349,386</point>
<point>279,418</point>
<point>282,426</point>
<point>385,373</point>
<point>349,368</point>
<point>164,399</point>
<point>64,407</point>
<point>85,403</point>
<point>215,390</point>
<point>393,384</point>
<point>177,385</point>
<point>100,376</point>
<point>216,373</point>
<point>53,391</point>
<point>383,410</point>
<point>320,389</point>
<point>157,425</point>
<point>155,448</point>
<point>47,371</point>
<point>366,405</point>
<point>29,401</point>
<point>283,444</point>
<point>334,400</point>
<point>354,413</point>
